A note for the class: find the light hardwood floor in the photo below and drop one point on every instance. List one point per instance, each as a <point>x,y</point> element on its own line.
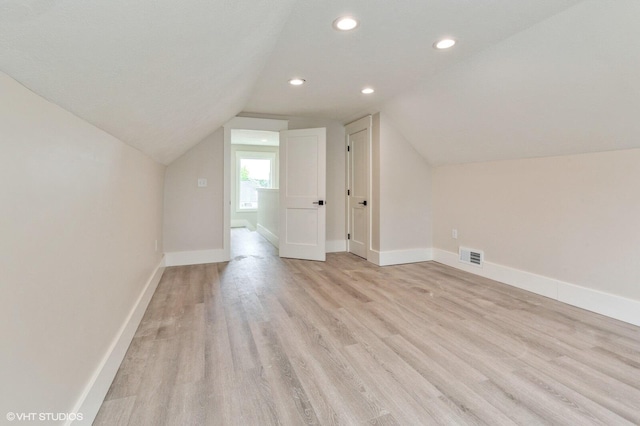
<point>260,341</point>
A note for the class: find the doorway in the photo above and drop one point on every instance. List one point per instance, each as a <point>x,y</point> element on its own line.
<point>251,163</point>
<point>293,175</point>
<point>254,189</point>
<point>358,136</point>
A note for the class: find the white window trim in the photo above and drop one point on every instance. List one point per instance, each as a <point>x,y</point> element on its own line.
<point>254,155</point>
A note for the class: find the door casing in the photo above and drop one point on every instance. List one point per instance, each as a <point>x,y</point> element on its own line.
<point>362,124</point>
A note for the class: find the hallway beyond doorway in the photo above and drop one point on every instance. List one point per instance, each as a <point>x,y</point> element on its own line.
<point>245,242</point>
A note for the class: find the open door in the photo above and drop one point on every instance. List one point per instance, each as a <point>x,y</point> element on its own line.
<point>303,170</point>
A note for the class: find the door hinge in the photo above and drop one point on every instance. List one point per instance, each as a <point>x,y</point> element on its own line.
<point>348,148</point>
<point>348,236</point>
<point>348,192</point>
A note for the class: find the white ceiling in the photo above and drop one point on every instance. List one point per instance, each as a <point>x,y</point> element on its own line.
<point>391,50</point>
<point>161,75</point>
<point>568,85</point>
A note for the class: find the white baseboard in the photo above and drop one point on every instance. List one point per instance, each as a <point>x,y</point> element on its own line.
<point>610,305</point>
<point>515,277</point>
<point>399,257</point>
<point>179,258</point>
<point>270,236</point>
<point>91,399</point>
<point>242,223</point>
<point>335,246</point>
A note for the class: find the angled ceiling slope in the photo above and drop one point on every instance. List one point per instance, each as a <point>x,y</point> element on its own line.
<point>159,75</point>
<point>568,85</point>
<point>162,75</point>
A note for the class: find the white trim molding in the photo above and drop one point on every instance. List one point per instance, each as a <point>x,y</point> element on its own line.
<point>268,235</point>
<point>335,246</point>
<point>363,123</point>
<point>94,393</point>
<point>514,277</point>
<point>610,305</point>
<point>399,257</point>
<point>607,304</point>
<point>197,257</point>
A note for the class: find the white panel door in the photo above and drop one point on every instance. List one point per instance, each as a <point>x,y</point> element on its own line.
<point>303,169</point>
<point>358,190</point>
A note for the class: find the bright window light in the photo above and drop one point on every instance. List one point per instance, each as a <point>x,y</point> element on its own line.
<point>254,170</point>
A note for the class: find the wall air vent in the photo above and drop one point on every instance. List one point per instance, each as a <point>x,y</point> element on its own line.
<point>471,256</point>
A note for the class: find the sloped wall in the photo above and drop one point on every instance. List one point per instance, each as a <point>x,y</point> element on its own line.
<point>567,85</point>
<point>81,212</point>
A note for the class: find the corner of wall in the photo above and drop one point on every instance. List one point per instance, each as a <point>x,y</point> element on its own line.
<point>400,257</point>
<point>402,183</point>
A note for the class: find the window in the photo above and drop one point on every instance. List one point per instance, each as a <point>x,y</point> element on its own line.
<point>253,170</point>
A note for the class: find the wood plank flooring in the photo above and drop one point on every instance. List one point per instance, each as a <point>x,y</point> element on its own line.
<point>261,341</point>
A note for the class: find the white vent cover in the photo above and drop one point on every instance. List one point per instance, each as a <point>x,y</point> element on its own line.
<point>471,256</point>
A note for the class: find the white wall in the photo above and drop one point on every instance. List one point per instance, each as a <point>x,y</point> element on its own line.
<point>571,218</point>
<point>193,216</point>
<point>269,214</point>
<point>80,215</point>
<point>401,194</point>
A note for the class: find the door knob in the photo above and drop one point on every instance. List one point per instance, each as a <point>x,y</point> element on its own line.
<point>320,203</point>
<point>364,203</point>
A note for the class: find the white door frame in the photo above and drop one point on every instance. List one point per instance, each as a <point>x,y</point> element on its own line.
<point>241,123</point>
<point>363,123</point>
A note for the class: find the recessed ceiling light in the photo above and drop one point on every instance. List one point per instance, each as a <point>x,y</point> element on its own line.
<point>345,23</point>
<point>367,90</point>
<point>296,81</point>
<point>264,140</point>
<point>445,43</point>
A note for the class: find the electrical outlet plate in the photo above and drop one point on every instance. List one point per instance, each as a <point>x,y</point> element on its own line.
<point>202,182</point>
<point>454,233</point>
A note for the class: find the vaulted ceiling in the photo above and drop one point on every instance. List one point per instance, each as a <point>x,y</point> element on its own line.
<point>527,78</point>
<point>568,85</point>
